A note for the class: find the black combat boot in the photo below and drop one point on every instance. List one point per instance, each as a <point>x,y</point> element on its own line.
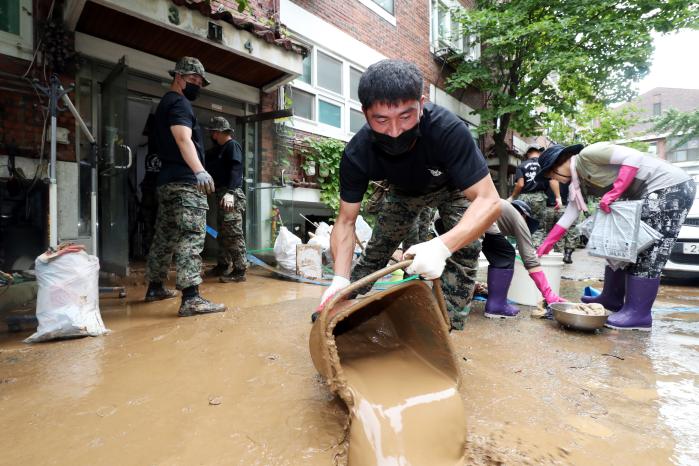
<point>234,276</point>
<point>157,292</point>
<point>568,256</point>
<point>193,303</point>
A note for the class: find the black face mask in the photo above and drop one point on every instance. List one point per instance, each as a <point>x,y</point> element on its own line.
<point>398,145</point>
<point>191,91</point>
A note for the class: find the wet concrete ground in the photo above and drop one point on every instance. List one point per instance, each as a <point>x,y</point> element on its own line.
<point>239,387</point>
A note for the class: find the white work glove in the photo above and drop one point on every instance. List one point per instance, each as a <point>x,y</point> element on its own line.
<point>205,183</point>
<point>227,202</point>
<point>559,203</point>
<point>429,258</point>
<point>339,283</point>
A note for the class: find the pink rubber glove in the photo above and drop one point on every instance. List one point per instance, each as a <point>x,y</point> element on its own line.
<point>554,235</point>
<point>543,285</point>
<point>623,180</point>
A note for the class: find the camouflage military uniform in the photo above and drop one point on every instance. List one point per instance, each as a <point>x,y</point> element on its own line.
<point>179,230</point>
<point>420,231</point>
<point>569,240</point>
<point>537,202</point>
<point>397,216</point>
<point>231,238</point>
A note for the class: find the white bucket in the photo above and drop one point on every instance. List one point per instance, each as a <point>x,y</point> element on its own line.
<point>524,291</point>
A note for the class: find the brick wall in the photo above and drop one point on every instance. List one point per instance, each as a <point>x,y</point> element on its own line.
<point>408,39</point>
<point>21,115</point>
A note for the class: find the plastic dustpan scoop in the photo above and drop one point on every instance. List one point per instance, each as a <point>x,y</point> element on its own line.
<point>591,292</point>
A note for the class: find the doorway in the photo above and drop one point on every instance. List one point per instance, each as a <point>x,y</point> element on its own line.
<point>118,102</point>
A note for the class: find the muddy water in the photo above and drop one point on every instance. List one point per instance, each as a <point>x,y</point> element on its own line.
<point>406,412</point>
<point>533,393</point>
<point>394,367</point>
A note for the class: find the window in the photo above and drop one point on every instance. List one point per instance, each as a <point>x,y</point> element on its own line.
<point>329,73</point>
<point>385,4</point>
<point>306,76</point>
<point>355,74</point>
<point>325,97</point>
<point>446,33</point>
<point>303,103</point>
<point>383,8</point>
<point>687,152</point>
<point>16,28</point>
<point>357,120</point>
<point>9,16</point>
<point>330,114</point>
<point>657,109</point>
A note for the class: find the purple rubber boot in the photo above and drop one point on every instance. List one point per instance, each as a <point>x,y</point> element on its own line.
<point>496,306</point>
<point>640,296</point>
<point>612,296</point>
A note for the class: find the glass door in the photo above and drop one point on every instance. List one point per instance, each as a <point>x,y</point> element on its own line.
<point>115,160</point>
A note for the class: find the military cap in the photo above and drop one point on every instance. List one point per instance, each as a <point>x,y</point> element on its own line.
<point>190,65</point>
<point>218,123</point>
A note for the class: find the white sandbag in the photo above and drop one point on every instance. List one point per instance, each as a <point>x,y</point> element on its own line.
<point>67,303</point>
<point>321,237</point>
<point>285,249</point>
<point>363,232</point>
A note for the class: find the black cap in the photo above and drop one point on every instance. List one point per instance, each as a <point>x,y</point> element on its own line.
<point>533,149</point>
<point>525,210</point>
<point>548,159</point>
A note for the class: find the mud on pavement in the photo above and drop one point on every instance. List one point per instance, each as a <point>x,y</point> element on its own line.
<point>240,388</point>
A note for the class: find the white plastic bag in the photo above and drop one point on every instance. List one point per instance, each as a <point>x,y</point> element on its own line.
<point>363,232</point>
<point>615,235</point>
<point>67,303</point>
<point>322,237</point>
<point>647,235</point>
<point>285,249</point>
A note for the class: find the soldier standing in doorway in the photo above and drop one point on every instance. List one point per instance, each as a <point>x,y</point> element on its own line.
<point>225,163</point>
<point>149,184</point>
<point>182,187</point>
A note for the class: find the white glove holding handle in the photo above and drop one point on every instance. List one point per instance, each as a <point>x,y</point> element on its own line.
<point>228,202</point>
<point>339,283</point>
<point>429,258</point>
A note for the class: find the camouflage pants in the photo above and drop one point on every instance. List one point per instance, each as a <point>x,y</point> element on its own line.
<point>149,212</point>
<point>420,231</point>
<point>398,215</point>
<point>537,202</point>
<point>231,237</point>
<point>180,228</point>
<point>570,239</point>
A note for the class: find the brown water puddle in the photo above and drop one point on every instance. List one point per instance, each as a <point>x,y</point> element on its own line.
<point>239,388</point>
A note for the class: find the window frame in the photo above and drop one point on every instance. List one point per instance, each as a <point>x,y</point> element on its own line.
<point>20,45</point>
<point>439,43</point>
<point>379,10</point>
<point>343,100</point>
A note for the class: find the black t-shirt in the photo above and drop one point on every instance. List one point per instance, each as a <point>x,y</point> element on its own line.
<point>175,109</point>
<point>528,170</point>
<point>153,165</point>
<point>551,198</point>
<point>225,164</point>
<point>444,155</point>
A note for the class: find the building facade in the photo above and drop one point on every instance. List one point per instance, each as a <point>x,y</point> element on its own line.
<point>280,57</point>
<point>653,104</point>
